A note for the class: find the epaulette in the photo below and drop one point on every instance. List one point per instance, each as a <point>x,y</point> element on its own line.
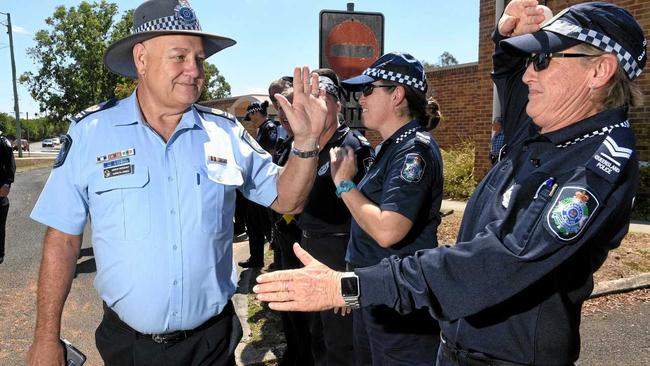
<point>423,137</point>
<point>364,141</point>
<point>216,112</point>
<point>96,108</point>
<point>612,155</point>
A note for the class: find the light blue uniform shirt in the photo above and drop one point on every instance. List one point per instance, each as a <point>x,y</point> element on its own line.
<point>161,213</point>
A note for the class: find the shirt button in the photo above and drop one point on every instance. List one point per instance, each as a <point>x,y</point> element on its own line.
<point>170,179</point>
<point>175,282</point>
<point>175,313</point>
<point>174,247</point>
<point>172,212</point>
<point>219,179</point>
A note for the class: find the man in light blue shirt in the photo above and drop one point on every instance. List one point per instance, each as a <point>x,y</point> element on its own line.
<point>157,176</point>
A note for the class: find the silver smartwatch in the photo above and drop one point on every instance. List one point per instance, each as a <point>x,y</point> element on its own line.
<point>350,289</point>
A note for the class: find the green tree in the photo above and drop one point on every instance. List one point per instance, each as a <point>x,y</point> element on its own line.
<point>216,86</point>
<point>445,59</point>
<point>70,53</point>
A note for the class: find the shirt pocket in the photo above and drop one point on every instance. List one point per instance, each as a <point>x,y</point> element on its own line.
<point>120,207</point>
<point>216,185</point>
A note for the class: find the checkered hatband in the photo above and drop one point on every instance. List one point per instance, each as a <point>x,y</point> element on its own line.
<point>396,77</point>
<point>183,19</point>
<point>597,40</point>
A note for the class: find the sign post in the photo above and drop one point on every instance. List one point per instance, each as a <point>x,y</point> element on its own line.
<point>349,43</point>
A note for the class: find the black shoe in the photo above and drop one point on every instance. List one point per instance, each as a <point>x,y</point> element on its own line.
<point>251,264</point>
<point>240,237</point>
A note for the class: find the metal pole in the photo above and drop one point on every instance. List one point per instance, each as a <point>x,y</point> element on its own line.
<point>13,72</point>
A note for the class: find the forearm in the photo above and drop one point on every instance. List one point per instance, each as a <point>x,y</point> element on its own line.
<point>60,253</point>
<point>296,180</point>
<point>385,227</point>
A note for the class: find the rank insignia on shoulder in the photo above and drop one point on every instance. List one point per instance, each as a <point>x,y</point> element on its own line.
<point>612,155</point>
<point>423,137</point>
<point>251,141</point>
<point>66,143</point>
<point>215,111</point>
<point>96,108</point>
<point>413,168</point>
<point>571,212</point>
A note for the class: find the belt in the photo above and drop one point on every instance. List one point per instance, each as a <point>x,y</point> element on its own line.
<point>315,235</point>
<point>172,337</point>
<point>462,357</point>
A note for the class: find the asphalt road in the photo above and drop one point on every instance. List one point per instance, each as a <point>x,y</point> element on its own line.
<point>620,337</point>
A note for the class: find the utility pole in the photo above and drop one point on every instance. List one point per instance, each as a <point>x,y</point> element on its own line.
<point>13,72</point>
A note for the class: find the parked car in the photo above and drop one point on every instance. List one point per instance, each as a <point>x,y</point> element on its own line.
<point>23,145</point>
<point>56,141</point>
<point>47,143</point>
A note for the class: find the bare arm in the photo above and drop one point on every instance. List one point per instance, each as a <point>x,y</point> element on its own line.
<point>60,253</point>
<point>385,227</point>
<point>306,116</point>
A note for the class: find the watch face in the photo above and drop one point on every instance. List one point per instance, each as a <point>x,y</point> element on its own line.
<point>350,286</point>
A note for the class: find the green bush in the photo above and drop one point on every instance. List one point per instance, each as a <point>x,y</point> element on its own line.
<point>641,209</point>
<point>459,171</point>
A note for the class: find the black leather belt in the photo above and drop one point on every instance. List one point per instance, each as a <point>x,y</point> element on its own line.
<point>172,337</point>
<point>464,358</point>
<point>314,235</point>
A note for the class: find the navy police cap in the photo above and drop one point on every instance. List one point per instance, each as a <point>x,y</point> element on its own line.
<point>156,18</point>
<point>401,68</point>
<point>605,26</point>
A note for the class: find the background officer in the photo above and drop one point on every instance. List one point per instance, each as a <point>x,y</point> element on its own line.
<point>325,223</point>
<point>157,175</point>
<point>7,172</point>
<point>542,220</point>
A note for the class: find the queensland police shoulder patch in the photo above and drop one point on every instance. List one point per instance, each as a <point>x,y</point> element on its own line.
<point>66,143</point>
<point>413,168</point>
<point>571,212</point>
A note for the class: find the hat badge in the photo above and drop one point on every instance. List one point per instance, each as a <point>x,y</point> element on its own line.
<point>185,13</point>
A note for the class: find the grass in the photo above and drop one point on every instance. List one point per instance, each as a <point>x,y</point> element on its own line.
<point>27,164</point>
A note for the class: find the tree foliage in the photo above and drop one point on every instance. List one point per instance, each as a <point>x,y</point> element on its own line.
<point>445,59</point>
<point>216,86</point>
<point>70,54</point>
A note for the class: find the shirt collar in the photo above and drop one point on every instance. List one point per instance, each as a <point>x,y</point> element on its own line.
<point>339,134</point>
<point>413,125</point>
<point>133,115</point>
<point>587,125</point>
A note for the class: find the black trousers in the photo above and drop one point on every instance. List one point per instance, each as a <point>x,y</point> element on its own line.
<point>4,209</point>
<point>240,214</point>
<point>331,333</point>
<point>294,324</point>
<point>258,225</point>
<point>210,344</point>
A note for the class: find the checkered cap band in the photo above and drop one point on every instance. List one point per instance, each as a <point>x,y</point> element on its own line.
<point>396,77</point>
<point>168,23</point>
<point>597,40</point>
<point>257,108</point>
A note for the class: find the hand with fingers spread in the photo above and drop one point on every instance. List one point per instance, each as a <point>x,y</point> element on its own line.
<point>521,17</point>
<point>315,287</point>
<point>343,164</point>
<point>307,113</point>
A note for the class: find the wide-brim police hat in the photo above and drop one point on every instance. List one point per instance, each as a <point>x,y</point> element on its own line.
<point>605,26</point>
<point>155,18</point>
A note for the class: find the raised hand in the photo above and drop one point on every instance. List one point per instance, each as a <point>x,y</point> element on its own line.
<point>342,164</point>
<point>521,17</point>
<point>314,287</point>
<point>307,113</point>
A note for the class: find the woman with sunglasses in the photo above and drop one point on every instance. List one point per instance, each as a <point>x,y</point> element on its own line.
<point>395,207</point>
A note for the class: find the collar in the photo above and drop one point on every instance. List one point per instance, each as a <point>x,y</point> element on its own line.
<point>404,131</point>
<point>338,135</point>
<point>588,127</point>
<point>133,115</point>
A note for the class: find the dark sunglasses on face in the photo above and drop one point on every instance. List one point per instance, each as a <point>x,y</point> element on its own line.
<point>540,61</point>
<point>367,89</point>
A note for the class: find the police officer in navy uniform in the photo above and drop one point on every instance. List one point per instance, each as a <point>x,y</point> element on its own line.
<point>543,219</point>
<point>7,172</point>
<point>325,224</point>
<point>157,175</point>
<point>258,219</point>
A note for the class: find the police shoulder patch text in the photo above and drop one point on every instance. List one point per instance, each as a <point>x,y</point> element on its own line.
<point>614,152</point>
<point>573,208</point>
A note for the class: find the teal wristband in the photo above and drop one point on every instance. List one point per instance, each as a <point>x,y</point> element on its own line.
<point>344,186</point>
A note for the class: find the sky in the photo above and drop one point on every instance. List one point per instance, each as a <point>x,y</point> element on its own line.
<point>272,36</point>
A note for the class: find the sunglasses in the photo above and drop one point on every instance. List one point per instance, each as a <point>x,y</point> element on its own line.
<point>540,61</point>
<point>367,89</point>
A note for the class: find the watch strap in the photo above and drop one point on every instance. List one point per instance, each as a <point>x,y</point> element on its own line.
<point>305,154</point>
<point>346,185</point>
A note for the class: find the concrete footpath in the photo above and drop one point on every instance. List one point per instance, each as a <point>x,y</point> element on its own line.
<point>248,354</point>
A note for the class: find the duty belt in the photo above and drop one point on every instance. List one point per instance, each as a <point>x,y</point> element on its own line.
<point>316,235</point>
<point>172,337</point>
